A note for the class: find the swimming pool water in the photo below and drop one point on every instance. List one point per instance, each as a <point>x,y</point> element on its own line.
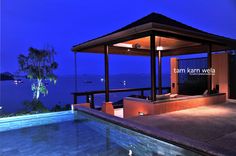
<point>16,122</point>
<point>83,136</point>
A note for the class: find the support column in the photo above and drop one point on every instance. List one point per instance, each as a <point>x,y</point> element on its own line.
<point>174,76</point>
<point>159,73</point>
<point>153,67</point>
<point>209,60</point>
<point>107,106</point>
<point>106,74</point>
<point>220,81</point>
<point>75,66</point>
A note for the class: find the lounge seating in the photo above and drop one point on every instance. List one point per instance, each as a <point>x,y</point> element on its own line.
<point>163,97</point>
<point>166,96</point>
<point>133,106</point>
<point>173,95</point>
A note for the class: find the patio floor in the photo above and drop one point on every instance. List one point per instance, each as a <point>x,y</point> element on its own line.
<point>214,125</point>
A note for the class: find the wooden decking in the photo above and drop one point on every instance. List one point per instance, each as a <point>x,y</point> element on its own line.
<point>214,125</point>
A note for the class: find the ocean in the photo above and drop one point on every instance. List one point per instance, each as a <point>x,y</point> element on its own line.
<point>12,95</point>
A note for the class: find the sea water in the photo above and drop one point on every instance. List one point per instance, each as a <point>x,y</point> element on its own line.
<point>12,95</point>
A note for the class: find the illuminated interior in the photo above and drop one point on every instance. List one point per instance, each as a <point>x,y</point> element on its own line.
<point>162,43</point>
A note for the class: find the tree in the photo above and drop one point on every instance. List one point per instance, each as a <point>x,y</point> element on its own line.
<point>39,65</point>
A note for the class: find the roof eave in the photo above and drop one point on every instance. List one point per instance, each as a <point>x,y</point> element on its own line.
<point>114,38</point>
<point>203,36</point>
<point>148,27</point>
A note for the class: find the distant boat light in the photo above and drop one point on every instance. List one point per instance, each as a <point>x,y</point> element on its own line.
<point>124,82</point>
<point>125,45</point>
<point>17,81</point>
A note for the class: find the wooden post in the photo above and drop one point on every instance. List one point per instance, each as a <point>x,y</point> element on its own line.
<point>87,98</point>
<point>106,73</point>
<point>75,64</point>
<point>92,101</point>
<point>209,59</point>
<point>142,93</point>
<point>75,99</point>
<point>153,67</point>
<point>159,73</point>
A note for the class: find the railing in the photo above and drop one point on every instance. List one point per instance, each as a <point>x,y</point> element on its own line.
<point>90,94</point>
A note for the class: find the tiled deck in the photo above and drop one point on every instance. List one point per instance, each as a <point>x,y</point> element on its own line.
<point>214,125</point>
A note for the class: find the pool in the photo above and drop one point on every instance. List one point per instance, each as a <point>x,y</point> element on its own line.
<point>78,133</point>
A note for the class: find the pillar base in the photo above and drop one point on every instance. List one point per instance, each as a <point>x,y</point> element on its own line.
<point>108,108</point>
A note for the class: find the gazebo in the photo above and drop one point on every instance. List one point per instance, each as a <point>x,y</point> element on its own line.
<point>155,36</point>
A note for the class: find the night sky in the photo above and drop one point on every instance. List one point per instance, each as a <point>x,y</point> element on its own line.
<point>64,23</point>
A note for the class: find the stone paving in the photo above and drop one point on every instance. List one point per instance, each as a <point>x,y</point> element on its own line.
<point>214,125</point>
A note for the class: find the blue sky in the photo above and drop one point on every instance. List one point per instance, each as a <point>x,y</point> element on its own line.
<point>64,23</point>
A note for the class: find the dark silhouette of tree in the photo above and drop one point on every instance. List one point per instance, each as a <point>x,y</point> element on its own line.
<point>39,65</point>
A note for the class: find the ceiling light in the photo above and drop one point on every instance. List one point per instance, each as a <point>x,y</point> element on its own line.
<point>125,45</point>
<point>159,48</point>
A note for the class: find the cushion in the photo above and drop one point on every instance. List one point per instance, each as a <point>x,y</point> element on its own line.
<point>163,97</point>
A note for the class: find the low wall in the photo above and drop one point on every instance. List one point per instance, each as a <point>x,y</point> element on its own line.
<point>133,106</point>
<point>87,105</point>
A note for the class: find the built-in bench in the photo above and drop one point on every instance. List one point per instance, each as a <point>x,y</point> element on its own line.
<point>135,106</point>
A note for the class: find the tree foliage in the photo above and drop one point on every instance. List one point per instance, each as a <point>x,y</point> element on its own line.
<point>39,65</point>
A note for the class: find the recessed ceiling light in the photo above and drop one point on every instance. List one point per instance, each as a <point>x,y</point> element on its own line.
<point>159,48</point>
<point>125,45</point>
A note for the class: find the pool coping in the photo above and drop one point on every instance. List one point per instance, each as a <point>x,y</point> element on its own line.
<point>32,116</point>
<point>180,141</point>
<point>32,120</point>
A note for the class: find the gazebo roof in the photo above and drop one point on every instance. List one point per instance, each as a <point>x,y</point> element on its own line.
<point>158,18</point>
<point>178,37</point>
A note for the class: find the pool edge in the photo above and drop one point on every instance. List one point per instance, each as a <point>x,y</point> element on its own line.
<point>180,141</point>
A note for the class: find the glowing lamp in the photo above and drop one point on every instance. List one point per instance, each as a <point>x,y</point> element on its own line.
<point>140,113</point>
<point>125,45</point>
<point>159,48</point>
